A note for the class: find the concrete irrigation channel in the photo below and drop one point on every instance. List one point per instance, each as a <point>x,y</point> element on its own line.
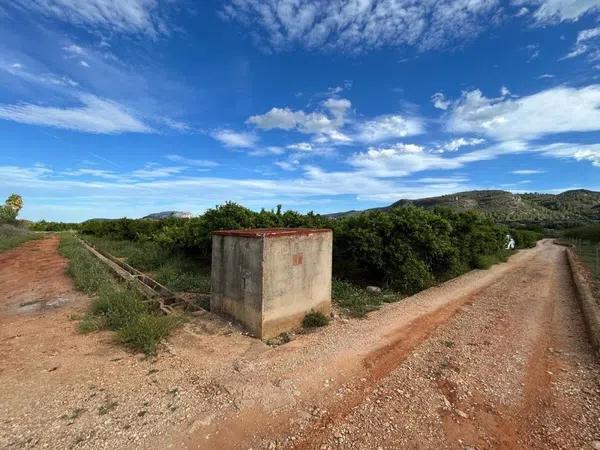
<point>166,299</point>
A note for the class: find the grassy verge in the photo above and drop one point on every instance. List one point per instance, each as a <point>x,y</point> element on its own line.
<point>177,271</point>
<point>115,306</point>
<point>12,236</point>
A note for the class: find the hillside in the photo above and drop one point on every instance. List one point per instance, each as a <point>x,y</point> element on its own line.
<point>169,215</point>
<point>503,206</point>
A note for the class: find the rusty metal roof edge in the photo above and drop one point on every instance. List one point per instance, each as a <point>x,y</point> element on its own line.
<point>271,232</point>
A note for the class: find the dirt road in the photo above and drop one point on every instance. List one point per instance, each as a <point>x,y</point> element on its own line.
<point>492,359</point>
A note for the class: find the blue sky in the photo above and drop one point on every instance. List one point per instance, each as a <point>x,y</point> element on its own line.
<point>111,109</point>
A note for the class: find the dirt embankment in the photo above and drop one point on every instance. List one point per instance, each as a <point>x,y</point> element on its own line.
<point>493,359</point>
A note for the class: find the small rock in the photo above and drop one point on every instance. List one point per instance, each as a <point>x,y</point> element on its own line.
<point>595,445</point>
<point>374,290</point>
<point>462,414</point>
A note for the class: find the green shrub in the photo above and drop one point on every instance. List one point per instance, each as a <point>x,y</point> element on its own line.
<point>315,319</point>
<point>525,238</point>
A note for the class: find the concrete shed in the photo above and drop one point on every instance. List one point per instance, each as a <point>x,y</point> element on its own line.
<point>268,279</point>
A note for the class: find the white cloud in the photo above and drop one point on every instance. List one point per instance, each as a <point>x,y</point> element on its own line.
<point>84,64</point>
<point>324,126</point>
<point>151,171</point>
<point>439,101</point>
<point>399,160</point>
<point>373,176</point>
<point>288,165</point>
<point>74,50</point>
<point>386,127</point>
<point>98,173</point>
<point>332,125</point>
<point>550,11</point>
<point>582,45</point>
<point>235,139</point>
<point>360,25</point>
<point>556,110</point>
<point>301,147</point>
<point>131,16</point>
<point>527,171</point>
<point>578,152</point>
<point>456,144</point>
<point>176,124</point>
<point>18,70</point>
<point>95,115</point>
<point>192,162</point>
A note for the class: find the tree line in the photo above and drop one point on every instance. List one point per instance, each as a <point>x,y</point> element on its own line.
<point>406,249</point>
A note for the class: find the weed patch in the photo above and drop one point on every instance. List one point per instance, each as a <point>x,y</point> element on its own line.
<point>116,306</point>
<point>356,300</point>
<point>147,331</point>
<point>12,236</point>
<point>315,319</point>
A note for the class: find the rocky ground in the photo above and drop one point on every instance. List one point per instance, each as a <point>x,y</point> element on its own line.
<point>492,359</point>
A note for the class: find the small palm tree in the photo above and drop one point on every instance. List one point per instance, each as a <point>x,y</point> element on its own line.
<point>15,202</point>
<point>11,208</point>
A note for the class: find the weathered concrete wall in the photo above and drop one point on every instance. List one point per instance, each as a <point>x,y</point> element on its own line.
<point>269,279</point>
<point>296,279</point>
<point>236,280</point>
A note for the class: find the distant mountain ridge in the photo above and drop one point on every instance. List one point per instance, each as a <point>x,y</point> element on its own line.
<point>503,206</point>
<point>169,215</point>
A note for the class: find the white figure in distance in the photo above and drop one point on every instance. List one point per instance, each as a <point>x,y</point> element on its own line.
<point>510,242</point>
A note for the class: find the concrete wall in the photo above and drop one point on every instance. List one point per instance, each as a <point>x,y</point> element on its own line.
<point>236,280</point>
<point>296,279</point>
<point>269,279</point>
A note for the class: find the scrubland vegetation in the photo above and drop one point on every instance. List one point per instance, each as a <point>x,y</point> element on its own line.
<point>403,250</point>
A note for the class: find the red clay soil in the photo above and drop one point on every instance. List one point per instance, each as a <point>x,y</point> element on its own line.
<point>493,359</point>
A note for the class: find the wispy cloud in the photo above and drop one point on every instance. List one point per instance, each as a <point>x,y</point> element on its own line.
<point>231,138</point>
<point>549,11</point>
<point>527,171</point>
<point>95,115</point>
<point>587,41</point>
<point>192,162</point>
<point>378,174</point>
<point>357,26</point>
<point>131,16</point>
